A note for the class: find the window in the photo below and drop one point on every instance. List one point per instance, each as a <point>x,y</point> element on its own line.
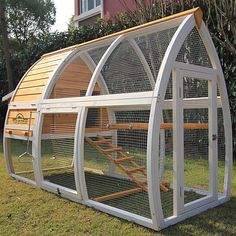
<point>87,5</point>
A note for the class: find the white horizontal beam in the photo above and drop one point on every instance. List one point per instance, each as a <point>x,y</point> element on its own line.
<point>23,105</point>
<point>118,101</point>
<point>13,136</point>
<point>192,103</point>
<point>120,213</point>
<point>66,105</point>
<point>174,219</point>
<point>195,68</point>
<point>19,127</point>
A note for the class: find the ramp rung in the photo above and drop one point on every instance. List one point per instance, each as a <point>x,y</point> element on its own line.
<point>123,159</point>
<point>116,149</point>
<point>102,141</point>
<point>136,169</point>
<point>142,181</point>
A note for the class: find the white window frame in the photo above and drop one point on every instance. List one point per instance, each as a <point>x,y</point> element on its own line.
<point>84,14</point>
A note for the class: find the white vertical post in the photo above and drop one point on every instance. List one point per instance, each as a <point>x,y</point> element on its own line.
<point>37,149</point>
<point>7,154</point>
<point>83,116</point>
<point>76,156</point>
<point>212,133</point>
<point>7,148</point>
<point>162,152</point>
<point>80,152</point>
<point>178,143</point>
<point>111,114</point>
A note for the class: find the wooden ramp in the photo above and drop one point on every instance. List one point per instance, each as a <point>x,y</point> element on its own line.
<point>135,172</point>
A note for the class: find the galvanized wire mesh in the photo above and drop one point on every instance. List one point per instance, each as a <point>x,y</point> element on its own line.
<point>153,47</point>
<point>193,51</point>
<point>221,147</point>
<point>21,166</point>
<point>196,165</point>
<point>196,141</point>
<point>167,162</point>
<point>124,72</point>
<point>97,53</point>
<point>57,148</point>
<point>128,132</point>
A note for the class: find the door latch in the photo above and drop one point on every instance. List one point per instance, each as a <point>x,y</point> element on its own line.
<point>214,137</point>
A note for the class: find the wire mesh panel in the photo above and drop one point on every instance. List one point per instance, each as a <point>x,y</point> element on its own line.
<point>153,47</point>
<point>196,140</point>
<point>124,72</point>
<point>21,158</point>
<point>115,159</point>
<point>166,161</point>
<point>97,53</point>
<point>57,148</point>
<point>193,51</point>
<point>221,147</point>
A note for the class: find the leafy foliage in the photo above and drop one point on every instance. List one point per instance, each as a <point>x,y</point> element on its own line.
<point>28,18</point>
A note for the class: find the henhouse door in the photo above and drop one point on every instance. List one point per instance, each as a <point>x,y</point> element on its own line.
<point>195,137</point>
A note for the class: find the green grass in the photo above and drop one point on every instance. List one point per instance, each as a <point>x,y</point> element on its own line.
<point>25,210</point>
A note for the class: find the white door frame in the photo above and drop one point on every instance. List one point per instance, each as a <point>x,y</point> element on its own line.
<point>179,72</point>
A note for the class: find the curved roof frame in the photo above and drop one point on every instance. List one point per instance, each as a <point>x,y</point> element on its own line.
<point>129,36</point>
<point>155,118</point>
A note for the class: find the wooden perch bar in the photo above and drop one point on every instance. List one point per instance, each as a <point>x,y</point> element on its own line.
<point>140,126</point>
<point>118,195</point>
<point>19,132</point>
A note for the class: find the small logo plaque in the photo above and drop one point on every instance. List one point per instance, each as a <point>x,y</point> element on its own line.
<point>20,119</point>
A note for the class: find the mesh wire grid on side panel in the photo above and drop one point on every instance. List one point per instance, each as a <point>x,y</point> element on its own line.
<point>123,71</point>
<point>97,53</point>
<point>193,51</point>
<point>196,163</point>
<point>115,159</point>
<point>21,166</point>
<point>57,147</point>
<point>153,47</point>
<point>221,147</point>
<point>166,162</point>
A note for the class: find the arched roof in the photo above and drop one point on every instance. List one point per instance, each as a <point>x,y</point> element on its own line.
<point>34,83</point>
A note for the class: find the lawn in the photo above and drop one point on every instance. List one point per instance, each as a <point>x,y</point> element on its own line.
<point>25,210</point>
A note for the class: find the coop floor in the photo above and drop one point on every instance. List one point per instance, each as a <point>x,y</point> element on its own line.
<point>100,185</point>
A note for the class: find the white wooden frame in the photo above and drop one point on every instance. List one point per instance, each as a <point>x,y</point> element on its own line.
<point>180,71</point>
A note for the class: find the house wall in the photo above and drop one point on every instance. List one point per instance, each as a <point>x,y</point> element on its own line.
<point>89,21</point>
<point>112,7</point>
<point>109,8</point>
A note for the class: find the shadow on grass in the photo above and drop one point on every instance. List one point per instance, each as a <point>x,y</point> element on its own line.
<point>220,220</point>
